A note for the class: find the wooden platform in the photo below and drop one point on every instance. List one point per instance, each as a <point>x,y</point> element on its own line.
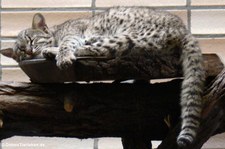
<point>96,69</point>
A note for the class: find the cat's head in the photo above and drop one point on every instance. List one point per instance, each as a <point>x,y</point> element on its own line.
<point>30,42</point>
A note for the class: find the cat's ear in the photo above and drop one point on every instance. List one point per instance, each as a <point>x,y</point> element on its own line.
<point>8,52</point>
<point>39,22</point>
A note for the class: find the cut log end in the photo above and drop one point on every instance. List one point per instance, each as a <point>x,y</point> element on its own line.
<point>1,123</point>
<point>68,104</point>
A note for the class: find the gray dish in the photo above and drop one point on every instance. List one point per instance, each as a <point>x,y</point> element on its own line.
<point>46,71</point>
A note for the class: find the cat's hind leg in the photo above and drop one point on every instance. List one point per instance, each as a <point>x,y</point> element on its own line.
<point>112,46</point>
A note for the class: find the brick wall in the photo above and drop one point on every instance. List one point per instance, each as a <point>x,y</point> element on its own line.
<point>205,19</point>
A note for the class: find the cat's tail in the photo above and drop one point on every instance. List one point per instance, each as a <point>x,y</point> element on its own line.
<point>192,89</point>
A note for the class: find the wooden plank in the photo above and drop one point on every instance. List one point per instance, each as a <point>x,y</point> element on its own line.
<point>93,69</point>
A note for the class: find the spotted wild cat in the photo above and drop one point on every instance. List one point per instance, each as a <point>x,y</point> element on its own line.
<point>118,32</point>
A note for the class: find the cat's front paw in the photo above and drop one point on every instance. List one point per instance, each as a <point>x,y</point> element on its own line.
<point>49,53</point>
<point>65,61</point>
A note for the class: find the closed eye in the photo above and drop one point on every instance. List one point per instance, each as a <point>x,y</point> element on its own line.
<point>41,41</point>
<point>29,40</point>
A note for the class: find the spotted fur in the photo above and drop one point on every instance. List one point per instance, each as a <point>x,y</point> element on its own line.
<point>121,31</point>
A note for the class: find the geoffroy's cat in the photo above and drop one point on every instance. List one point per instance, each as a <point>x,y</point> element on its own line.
<point>117,32</point>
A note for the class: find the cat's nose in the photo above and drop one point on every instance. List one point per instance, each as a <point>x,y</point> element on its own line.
<point>29,50</point>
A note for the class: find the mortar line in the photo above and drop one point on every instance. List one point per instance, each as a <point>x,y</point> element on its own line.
<point>48,9</point>
<point>96,143</point>
<point>189,14</point>
<point>0,38</point>
<point>93,6</point>
<point>179,7</point>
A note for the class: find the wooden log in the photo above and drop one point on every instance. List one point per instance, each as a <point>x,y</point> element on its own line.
<point>136,142</point>
<point>100,110</point>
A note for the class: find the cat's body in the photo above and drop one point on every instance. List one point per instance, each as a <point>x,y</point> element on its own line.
<point>120,31</point>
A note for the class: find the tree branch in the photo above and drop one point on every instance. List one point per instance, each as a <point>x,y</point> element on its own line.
<point>112,110</point>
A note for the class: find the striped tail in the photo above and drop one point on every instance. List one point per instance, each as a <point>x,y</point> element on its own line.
<point>192,88</point>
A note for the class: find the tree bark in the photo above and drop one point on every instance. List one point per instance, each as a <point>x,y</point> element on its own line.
<point>136,142</point>
<point>100,110</point>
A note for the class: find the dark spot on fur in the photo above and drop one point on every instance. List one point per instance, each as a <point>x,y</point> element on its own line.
<point>144,39</point>
<point>124,30</point>
<point>151,30</point>
<point>99,45</point>
<point>130,46</point>
<point>87,43</point>
<point>121,21</point>
<point>107,47</point>
<point>155,36</point>
<point>130,42</point>
<point>119,43</point>
<point>112,41</point>
<point>169,42</point>
<point>169,35</point>
<point>150,44</point>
